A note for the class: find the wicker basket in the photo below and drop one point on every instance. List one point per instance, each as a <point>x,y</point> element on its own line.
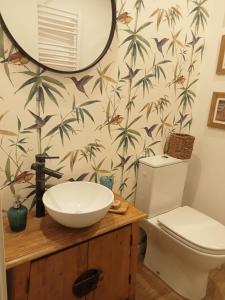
<point>180,145</point>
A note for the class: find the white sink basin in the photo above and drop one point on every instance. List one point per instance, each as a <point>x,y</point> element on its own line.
<point>78,204</point>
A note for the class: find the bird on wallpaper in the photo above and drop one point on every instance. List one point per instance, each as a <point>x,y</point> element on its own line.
<point>16,58</point>
<point>80,84</point>
<point>160,44</point>
<point>24,177</point>
<point>131,73</point>
<point>124,18</point>
<point>116,120</point>
<point>39,122</point>
<point>194,40</point>
<point>179,80</point>
<point>150,130</point>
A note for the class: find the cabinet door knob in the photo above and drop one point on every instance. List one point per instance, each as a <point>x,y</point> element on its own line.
<point>86,283</point>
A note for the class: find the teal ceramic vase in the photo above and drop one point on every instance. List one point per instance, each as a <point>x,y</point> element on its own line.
<point>17,216</point>
<point>107,181</point>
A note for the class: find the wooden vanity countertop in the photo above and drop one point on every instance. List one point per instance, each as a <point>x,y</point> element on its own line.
<point>44,236</point>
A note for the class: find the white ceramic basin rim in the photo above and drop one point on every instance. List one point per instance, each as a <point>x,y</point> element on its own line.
<point>78,204</point>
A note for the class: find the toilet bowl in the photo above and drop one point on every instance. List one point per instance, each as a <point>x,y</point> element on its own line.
<point>175,251</point>
<point>183,244</point>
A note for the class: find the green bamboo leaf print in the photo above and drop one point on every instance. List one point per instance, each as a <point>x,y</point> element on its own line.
<point>164,125</point>
<point>3,53</point>
<point>148,107</point>
<point>54,81</point>
<point>171,15</point>
<point>175,43</point>
<point>97,170</point>
<point>187,96</point>
<point>103,77</point>
<point>200,50</point>
<point>77,114</point>
<point>158,106</point>
<point>50,94</point>
<point>139,4</point>
<point>8,170</point>
<point>128,136</point>
<point>41,86</point>
<point>137,44</point>
<point>2,48</point>
<point>200,15</point>
<point>64,129</point>
<point>80,111</point>
<point>158,69</point>
<point>3,115</point>
<point>146,83</point>
<point>144,26</point>
<point>148,150</point>
<point>9,175</point>
<point>19,124</point>
<point>188,124</point>
<point>123,185</point>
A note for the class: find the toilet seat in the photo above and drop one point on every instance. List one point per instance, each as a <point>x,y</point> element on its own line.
<point>195,229</point>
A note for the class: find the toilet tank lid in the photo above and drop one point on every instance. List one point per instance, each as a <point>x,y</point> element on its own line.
<point>159,161</point>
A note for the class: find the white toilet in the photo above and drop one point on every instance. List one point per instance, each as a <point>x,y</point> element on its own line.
<point>183,245</point>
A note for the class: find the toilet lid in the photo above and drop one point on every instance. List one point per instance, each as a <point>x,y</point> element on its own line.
<point>195,228</point>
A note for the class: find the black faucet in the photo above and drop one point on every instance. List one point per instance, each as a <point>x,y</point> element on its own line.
<point>41,170</point>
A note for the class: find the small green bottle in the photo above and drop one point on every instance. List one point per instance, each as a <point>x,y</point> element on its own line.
<point>107,181</point>
<point>17,216</point>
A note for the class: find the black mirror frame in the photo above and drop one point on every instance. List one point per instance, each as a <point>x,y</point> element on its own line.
<point>105,50</point>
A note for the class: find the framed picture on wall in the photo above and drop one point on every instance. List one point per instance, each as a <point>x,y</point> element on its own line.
<point>221,61</point>
<point>217,111</point>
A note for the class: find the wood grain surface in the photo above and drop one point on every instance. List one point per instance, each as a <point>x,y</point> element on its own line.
<point>17,282</point>
<point>150,287</point>
<point>110,253</point>
<point>44,236</point>
<point>52,277</point>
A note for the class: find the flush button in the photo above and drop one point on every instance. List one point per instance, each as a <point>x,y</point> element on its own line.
<point>165,156</point>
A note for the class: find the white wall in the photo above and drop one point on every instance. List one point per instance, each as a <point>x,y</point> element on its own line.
<point>205,188</point>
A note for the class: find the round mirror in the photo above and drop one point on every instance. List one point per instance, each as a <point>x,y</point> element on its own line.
<point>64,36</point>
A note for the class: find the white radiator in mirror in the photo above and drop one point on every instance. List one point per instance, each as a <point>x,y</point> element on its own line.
<point>58,37</point>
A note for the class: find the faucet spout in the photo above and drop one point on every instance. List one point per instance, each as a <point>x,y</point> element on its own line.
<point>53,173</point>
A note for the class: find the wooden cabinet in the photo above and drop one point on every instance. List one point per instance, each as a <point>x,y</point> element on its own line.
<point>50,262</point>
<point>52,277</point>
<point>111,254</point>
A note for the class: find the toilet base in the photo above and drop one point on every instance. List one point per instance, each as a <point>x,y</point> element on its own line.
<point>191,284</point>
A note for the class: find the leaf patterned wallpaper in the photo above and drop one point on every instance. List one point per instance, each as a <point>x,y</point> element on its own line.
<point>103,120</point>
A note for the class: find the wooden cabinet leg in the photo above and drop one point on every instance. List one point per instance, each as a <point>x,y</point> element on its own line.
<point>18,282</point>
<point>133,259</point>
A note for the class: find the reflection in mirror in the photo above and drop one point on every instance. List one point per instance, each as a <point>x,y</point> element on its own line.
<point>67,36</point>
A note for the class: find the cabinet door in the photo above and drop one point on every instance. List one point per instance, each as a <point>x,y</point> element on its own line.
<point>53,277</point>
<point>110,253</point>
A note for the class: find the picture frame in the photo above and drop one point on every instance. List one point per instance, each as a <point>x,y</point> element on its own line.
<point>221,60</point>
<point>217,111</point>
